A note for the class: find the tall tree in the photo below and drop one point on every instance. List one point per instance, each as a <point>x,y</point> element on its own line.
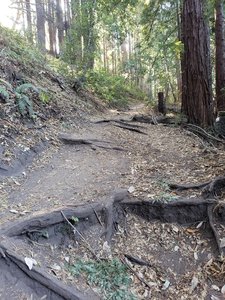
<point>40,23</point>
<point>29,21</point>
<point>60,22</point>
<point>220,56</point>
<point>196,66</point>
<point>51,26</point>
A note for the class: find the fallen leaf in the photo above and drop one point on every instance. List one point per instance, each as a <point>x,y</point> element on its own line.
<point>192,231</point>
<point>166,285</point>
<point>13,211</point>
<point>194,283</point>
<point>131,189</point>
<point>196,256</point>
<point>215,287</point>
<point>30,262</point>
<point>223,290</point>
<point>199,224</point>
<point>56,267</point>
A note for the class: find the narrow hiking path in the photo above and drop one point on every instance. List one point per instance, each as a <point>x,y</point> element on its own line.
<point>71,174</point>
<point>97,160</point>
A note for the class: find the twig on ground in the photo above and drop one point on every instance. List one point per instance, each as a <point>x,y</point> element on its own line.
<point>99,220</point>
<point>135,273</point>
<point>88,247</point>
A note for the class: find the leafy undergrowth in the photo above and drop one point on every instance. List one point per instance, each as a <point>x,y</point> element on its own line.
<point>115,90</point>
<point>111,277</point>
<point>14,46</point>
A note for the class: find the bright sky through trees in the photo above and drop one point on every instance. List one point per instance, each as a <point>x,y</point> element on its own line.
<point>7,15</point>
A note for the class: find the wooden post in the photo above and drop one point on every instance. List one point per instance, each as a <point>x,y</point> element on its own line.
<point>161,103</point>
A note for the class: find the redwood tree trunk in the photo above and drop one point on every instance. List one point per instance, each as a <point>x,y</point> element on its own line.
<point>220,57</point>
<point>196,66</point>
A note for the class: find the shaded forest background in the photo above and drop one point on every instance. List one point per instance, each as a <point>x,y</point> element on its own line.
<point>174,47</point>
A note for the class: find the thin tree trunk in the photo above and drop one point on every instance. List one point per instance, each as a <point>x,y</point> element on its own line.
<point>29,21</point>
<point>60,25</point>
<point>220,56</point>
<point>40,11</point>
<point>196,66</point>
<point>51,32</point>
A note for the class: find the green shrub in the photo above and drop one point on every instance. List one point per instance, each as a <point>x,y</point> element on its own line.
<point>113,89</point>
<point>17,47</point>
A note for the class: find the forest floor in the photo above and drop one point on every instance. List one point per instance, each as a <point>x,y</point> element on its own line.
<point>180,257</point>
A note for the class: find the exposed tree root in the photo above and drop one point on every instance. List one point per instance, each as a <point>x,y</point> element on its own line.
<point>209,189</point>
<point>72,140</point>
<point>130,128</point>
<point>43,281</point>
<point>215,234</point>
<point>204,134</point>
<point>106,216</point>
<point>182,187</point>
<point>120,121</point>
<point>154,120</point>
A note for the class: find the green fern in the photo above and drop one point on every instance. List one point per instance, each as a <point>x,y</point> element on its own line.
<point>25,105</point>
<point>4,95</point>
<point>23,88</point>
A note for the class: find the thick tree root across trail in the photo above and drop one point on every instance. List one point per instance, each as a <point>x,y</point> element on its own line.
<point>93,143</point>
<point>215,213</point>
<point>106,217</point>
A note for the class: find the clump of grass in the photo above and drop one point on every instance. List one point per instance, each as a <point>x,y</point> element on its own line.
<point>111,277</point>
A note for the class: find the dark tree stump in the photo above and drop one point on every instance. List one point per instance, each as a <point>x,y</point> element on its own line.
<point>161,103</point>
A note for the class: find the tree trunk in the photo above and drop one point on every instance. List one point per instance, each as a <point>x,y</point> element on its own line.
<point>220,57</point>
<point>88,20</point>
<point>40,11</point>
<point>161,103</point>
<point>196,66</point>
<point>51,31</point>
<point>29,22</point>
<point>60,23</point>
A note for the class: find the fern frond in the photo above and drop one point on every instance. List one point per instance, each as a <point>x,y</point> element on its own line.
<point>4,95</point>
<point>25,105</point>
<point>23,88</point>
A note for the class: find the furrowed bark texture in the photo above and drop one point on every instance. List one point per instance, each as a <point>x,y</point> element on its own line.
<point>196,66</point>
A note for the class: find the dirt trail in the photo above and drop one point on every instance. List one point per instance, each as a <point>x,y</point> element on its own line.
<point>69,174</point>
<point>143,163</point>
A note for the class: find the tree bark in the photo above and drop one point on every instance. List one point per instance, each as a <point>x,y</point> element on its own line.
<point>220,56</point>
<point>196,65</point>
<point>40,23</point>
<point>29,22</point>
<point>60,23</point>
<point>51,27</point>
